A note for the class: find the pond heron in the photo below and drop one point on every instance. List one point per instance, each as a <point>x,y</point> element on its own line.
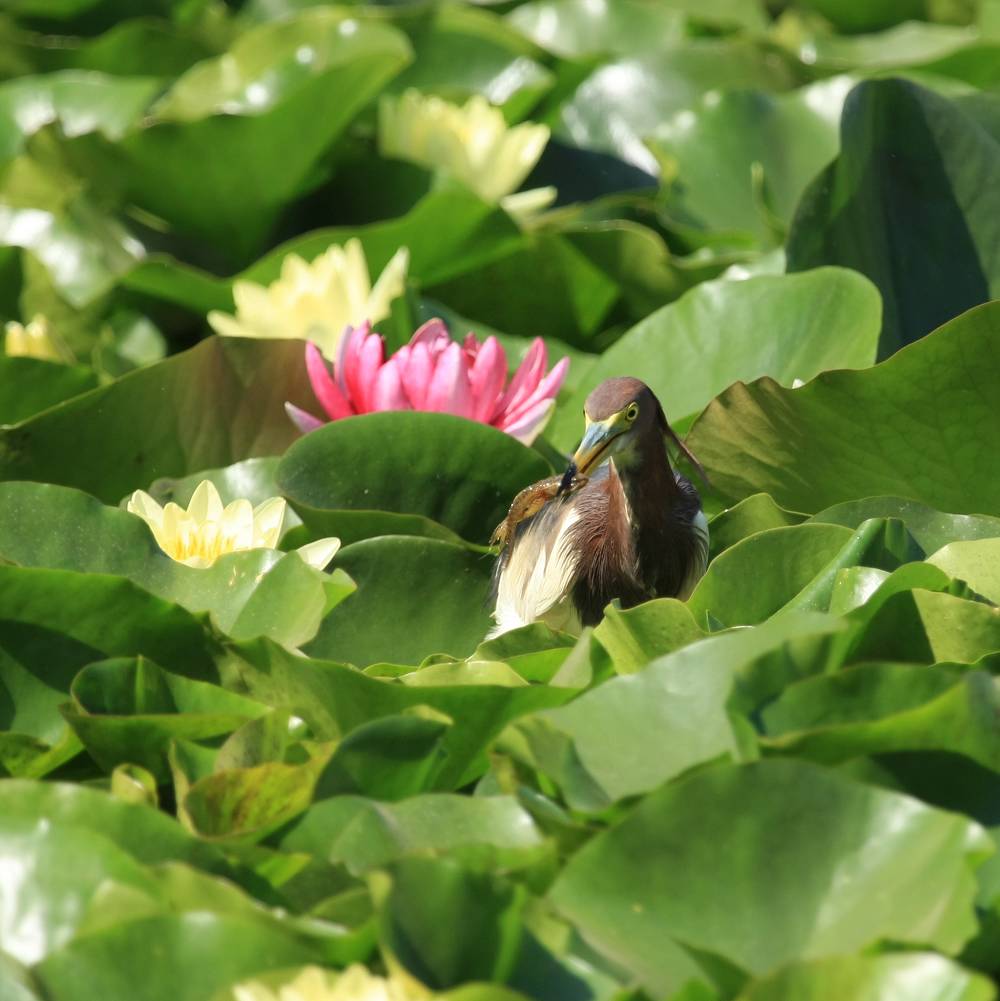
<point>619,524</point>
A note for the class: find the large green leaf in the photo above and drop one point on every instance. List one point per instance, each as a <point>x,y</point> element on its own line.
<point>909,204</point>
<point>679,870</point>
<point>881,708</point>
<point>635,732</point>
<point>28,386</point>
<point>892,977</point>
<point>930,528</point>
<point>975,562</point>
<point>147,835</point>
<point>111,615</point>
<point>718,148</point>
<point>220,402</point>
<point>623,102</point>
<point>415,597</point>
<point>363,834</point>
<point>787,327</point>
<point>129,711</point>
<point>260,592</point>
<point>917,425</point>
<point>336,700</point>
<point>143,959</point>
<point>250,107</point>
<point>451,470</point>
<point>78,102</point>
<point>50,875</point>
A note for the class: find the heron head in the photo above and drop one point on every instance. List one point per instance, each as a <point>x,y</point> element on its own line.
<point>620,413</point>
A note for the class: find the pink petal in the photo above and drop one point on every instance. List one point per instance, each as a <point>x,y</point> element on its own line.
<point>528,426</point>
<point>362,361</point>
<point>327,391</point>
<point>526,378</point>
<point>449,390</point>
<point>486,378</point>
<point>417,375</point>
<point>546,390</point>
<point>304,421</point>
<point>429,332</point>
<point>389,394</point>
<point>350,343</point>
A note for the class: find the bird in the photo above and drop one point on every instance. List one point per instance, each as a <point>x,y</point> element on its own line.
<point>619,524</point>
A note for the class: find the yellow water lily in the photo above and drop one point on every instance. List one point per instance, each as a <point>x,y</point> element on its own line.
<point>34,340</point>
<point>473,143</point>
<point>199,535</point>
<point>315,301</point>
<point>316,984</point>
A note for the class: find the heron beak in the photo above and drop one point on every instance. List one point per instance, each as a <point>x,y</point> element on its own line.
<point>592,449</point>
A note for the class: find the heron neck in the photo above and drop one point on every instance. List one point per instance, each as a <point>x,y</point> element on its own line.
<point>650,487</point>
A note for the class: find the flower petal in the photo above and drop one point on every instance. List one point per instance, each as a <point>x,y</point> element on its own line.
<point>416,374</point>
<point>303,420</point>
<point>449,391</point>
<point>267,519</point>
<point>389,393</point>
<point>319,553</point>
<point>205,503</point>
<point>526,378</point>
<point>327,391</point>
<point>531,422</point>
<point>545,390</point>
<point>486,378</point>
<point>430,332</point>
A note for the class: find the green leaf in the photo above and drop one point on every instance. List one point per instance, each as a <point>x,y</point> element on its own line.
<point>716,147</point>
<point>754,514</point>
<point>460,51</point>
<point>141,959</point>
<point>780,562</point>
<point>931,529</point>
<point>78,102</point>
<point>976,562</point>
<point>362,834</point>
<point>635,636</point>
<point>691,350</point>
<point>911,976</point>
<point>177,417</point>
<point>482,911</point>
<point>111,615</point>
<point>635,732</point>
<point>915,171</point>
<point>914,426</point>
<point>28,386</point>
<point>624,101</point>
<point>881,708</point>
<point>249,106</point>
<point>415,597</point>
<point>252,593</point>
<point>459,473</point>
<point>51,874</point>
<point>147,835</point>
<point>130,710</point>
<point>334,700</point>
<point>681,866</point>
<point>924,627</point>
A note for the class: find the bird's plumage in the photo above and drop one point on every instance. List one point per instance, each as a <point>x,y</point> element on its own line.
<point>631,531</point>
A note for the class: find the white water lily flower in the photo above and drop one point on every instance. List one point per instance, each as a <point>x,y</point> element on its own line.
<point>205,531</point>
<point>473,143</point>
<point>315,984</point>
<point>315,302</point>
<point>35,340</point>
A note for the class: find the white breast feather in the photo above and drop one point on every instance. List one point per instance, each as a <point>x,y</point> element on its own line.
<point>536,582</point>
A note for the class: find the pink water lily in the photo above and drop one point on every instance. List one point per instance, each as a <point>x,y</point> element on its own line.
<point>434,373</point>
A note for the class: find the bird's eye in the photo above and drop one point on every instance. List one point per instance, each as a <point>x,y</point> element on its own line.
<point>631,412</point>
